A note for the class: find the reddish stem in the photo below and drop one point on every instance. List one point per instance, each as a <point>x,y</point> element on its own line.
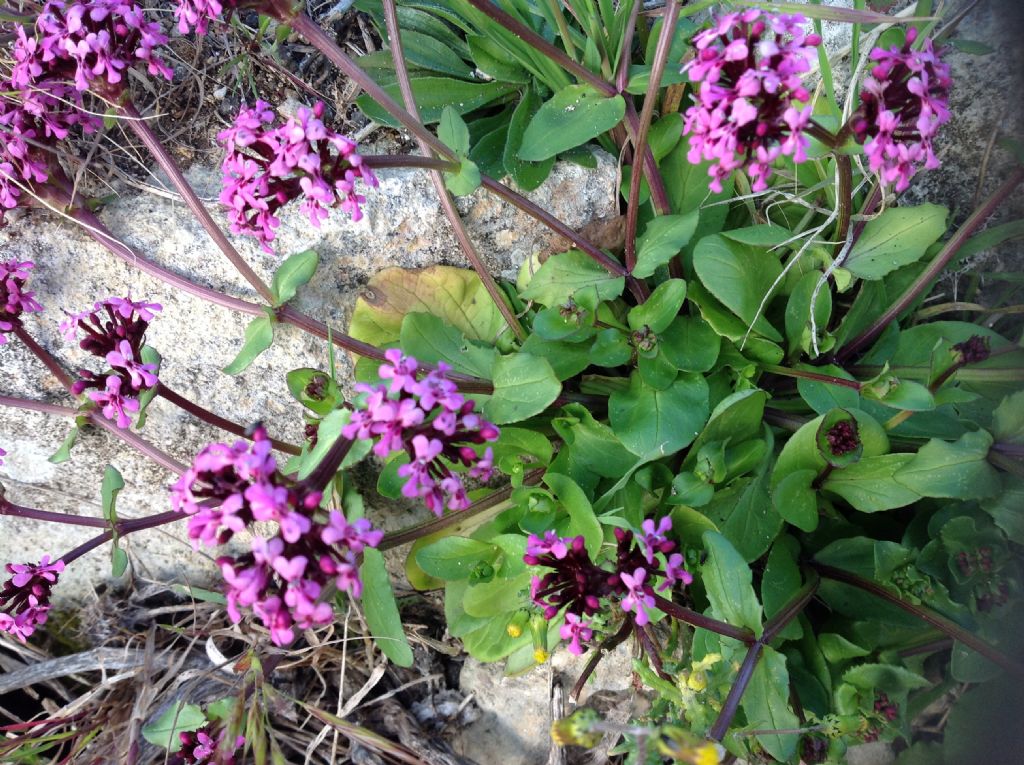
<point>216,420</point>
<point>141,129</point>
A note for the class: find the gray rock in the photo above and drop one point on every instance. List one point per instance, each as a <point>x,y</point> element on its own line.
<point>515,726</point>
<point>404,226</point>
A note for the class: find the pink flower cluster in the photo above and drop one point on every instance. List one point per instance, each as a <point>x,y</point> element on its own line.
<point>433,423</point>
<point>578,585</point>
<point>114,330</point>
<point>747,110</point>
<point>266,167</point>
<point>285,579</point>
<point>197,14</point>
<point>206,746</point>
<point>21,164</point>
<point>14,298</point>
<point>25,597</point>
<point>88,42</point>
<point>903,103</point>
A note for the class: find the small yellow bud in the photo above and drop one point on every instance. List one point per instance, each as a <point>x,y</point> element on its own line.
<point>513,630</point>
<point>579,728</point>
<point>540,655</point>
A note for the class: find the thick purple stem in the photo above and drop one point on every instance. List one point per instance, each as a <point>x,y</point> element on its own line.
<point>141,128</point>
<point>447,203</point>
<point>952,246</point>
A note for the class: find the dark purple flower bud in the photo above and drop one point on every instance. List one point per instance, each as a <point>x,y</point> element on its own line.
<point>14,298</point>
<point>973,350</point>
<point>843,437</point>
<point>25,597</point>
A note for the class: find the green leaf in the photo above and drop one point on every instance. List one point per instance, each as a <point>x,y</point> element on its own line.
<point>259,336</point>
<point>465,181</point>
<point>745,516</point>
<point>426,52</point>
<point>110,488</point>
<point>570,118</point>
<point>293,273</point>
<point>499,596</point>
<point>563,274</point>
<point>836,648</point>
<point>314,389</point>
<point>662,240</point>
<point>780,582</point>
<point>870,486</point>
<point>455,295</point>
<point>661,308</point>
<point>739,276</point>
<point>884,677</point>
<point>591,443</point>
<point>381,610</point>
<point>897,237</point>
<point>611,348</point>
<point>1008,419</point>
<point>567,359</point>
<point>431,339</point>
<point>690,344</point>
<point>179,718</point>
<point>956,471</point>
<point>149,355</point>
<point>63,453</point>
<point>798,312</point>
<point>433,94</point>
<point>527,175</point>
<point>655,423</point>
<point>796,500</point>
<point>494,62</point>
<point>455,557</point>
<point>971,47</point>
<point>328,432</point>
<point>524,385</point>
<point>766,706</point>
<point>453,132</point>
<point>581,515</point>
<point>727,579</point>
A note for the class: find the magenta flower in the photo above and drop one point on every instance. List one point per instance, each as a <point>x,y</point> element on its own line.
<point>903,103</point>
<point>286,579</point>
<point>747,111</point>
<point>2,455</point>
<point>638,597</point>
<point>675,572</point>
<point>115,330</point>
<point>579,586</point>
<point>653,539</point>
<point>206,746</point>
<point>197,15</point>
<point>431,421</point>
<point>14,298</point>
<point>551,543</point>
<point>266,167</point>
<point>115,405</point>
<point>25,597</point>
<point>90,44</point>
<point>575,629</point>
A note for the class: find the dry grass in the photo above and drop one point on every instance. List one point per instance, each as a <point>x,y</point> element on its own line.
<point>331,698</point>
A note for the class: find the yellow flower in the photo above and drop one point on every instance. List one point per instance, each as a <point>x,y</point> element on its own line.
<point>698,678</point>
